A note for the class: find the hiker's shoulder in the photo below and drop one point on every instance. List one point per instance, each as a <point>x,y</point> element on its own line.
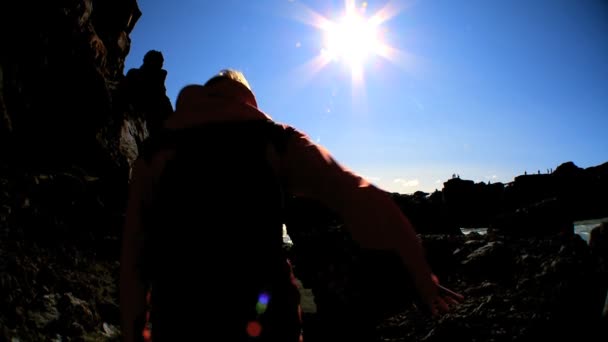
<point>289,135</point>
<point>287,129</point>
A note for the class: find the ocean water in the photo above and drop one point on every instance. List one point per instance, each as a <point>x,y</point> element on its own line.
<point>583,228</point>
<point>481,230</point>
<point>286,238</point>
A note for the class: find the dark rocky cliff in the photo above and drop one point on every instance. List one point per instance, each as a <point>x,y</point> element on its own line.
<point>532,204</point>
<point>60,67</point>
<point>67,140</point>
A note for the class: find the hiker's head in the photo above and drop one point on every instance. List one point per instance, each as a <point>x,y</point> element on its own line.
<point>228,75</point>
<point>153,59</point>
<point>230,84</point>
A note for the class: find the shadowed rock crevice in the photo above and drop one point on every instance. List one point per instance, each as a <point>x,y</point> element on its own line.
<point>61,66</point>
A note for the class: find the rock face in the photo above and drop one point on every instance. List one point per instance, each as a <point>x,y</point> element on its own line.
<point>516,289</point>
<point>67,139</point>
<point>57,293</point>
<point>59,246</point>
<point>60,68</point>
<point>535,204</point>
<point>598,243</point>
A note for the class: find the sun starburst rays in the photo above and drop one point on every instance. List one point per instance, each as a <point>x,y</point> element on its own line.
<point>353,39</point>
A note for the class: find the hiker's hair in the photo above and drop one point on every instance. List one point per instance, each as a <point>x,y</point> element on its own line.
<point>231,74</point>
<point>154,57</point>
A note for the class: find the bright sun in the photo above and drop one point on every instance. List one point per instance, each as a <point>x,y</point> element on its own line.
<point>352,40</point>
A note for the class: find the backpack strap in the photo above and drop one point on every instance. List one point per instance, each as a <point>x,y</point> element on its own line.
<point>166,138</point>
<point>278,136</point>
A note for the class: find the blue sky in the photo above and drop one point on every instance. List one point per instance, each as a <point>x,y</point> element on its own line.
<point>484,89</point>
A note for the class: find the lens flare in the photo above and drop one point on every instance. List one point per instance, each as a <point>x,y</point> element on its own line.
<point>264,298</point>
<point>254,329</point>
<point>262,304</point>
<point>353,39</point>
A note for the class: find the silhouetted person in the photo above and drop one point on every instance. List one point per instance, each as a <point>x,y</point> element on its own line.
<point>144,89</point>
<point>203,227</point>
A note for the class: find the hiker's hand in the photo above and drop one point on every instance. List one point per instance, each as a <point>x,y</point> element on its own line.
<point>442,300</point>
<point>445,300</point>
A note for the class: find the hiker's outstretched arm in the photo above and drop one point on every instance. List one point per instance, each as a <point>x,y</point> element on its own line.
<point>132,290</point>
<point>369,213</point>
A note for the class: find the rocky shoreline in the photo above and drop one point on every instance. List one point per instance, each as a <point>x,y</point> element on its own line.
<point>57,293</point>
<point>515,289</point>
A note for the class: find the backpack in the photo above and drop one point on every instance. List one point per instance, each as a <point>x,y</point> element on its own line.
<point>215,225</point>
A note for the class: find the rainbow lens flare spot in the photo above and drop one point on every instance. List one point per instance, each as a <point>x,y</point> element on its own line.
<point>254,329</point>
